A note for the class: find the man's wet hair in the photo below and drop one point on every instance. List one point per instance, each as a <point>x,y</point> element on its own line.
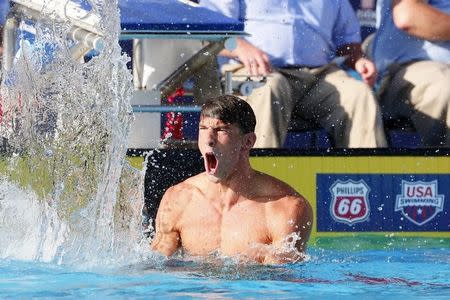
<point>230,110</point>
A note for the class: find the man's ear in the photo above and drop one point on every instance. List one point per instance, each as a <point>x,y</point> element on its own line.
<point>249,141</point>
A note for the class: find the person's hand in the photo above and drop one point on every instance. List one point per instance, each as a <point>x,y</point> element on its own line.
<point>366,68</point>
<point>254,59</point>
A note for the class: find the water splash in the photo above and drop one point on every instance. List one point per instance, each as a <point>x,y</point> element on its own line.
<point>67,194</point>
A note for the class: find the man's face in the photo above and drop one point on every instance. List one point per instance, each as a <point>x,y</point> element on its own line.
<point>220,145</point>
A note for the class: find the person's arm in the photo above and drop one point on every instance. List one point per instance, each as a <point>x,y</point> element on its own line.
<point>355,60</point>
<point>290,226</point>
<point>420,19</point>
<point>255,60</point>
<point>347,38</point>
<point>167,238</point>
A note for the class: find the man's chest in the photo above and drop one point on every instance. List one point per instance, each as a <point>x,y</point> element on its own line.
<point>205,229</point>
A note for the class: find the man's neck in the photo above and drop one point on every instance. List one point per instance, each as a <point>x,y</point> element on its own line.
<point>229,191</point>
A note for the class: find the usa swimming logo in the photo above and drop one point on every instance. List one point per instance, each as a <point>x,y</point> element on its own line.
<point>419,201</point>
<point>350,201</point>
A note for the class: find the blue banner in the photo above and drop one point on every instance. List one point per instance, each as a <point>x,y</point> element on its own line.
<point>383,202</point>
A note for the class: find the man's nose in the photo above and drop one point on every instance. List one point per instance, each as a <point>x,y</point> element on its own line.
<point>211,138</point>
<point>211,143</point>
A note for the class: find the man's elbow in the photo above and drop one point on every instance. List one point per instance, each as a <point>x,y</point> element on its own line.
<point>164,245</point>
<point>403,18</point>
<point>163,249</point>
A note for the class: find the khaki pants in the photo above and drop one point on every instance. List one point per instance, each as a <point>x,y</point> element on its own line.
<point>421,91</point>
<point>342,105</point>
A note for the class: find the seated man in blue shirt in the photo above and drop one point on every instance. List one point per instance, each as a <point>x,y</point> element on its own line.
<point>296,43</point>
<point>412,50</point>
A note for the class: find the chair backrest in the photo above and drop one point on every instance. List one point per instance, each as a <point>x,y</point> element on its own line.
<point>365,11</point>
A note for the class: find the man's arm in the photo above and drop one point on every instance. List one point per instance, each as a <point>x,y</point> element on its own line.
<point>255,60</point>
<point>167,237</point>
<point>290,226</point>
<point>418,18</point>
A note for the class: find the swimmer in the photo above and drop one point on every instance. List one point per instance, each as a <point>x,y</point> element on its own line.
<point>232,209</point>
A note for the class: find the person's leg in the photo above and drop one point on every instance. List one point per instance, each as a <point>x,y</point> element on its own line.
<point>273,105</point>
<point>346,108</point>
<point>421,91</point>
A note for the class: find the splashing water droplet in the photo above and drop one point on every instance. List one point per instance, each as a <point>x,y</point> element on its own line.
<point>72,197</point>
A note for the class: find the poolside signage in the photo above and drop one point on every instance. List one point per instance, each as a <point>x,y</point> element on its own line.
<point>350,201</point>
<point>419,201</point>
<point>382,202</point>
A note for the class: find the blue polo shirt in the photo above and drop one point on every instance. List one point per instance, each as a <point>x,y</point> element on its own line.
<point>294,32</point>
<point>392,45</point>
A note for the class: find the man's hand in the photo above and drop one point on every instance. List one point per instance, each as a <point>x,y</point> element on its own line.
<point>254,59</point>
<point>366,68</point>
<point>355,60</point>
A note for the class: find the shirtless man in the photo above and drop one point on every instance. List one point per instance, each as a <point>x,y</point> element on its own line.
<point>231,209</point>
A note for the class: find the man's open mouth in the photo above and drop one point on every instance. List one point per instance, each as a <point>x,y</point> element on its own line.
<point>211,163</point>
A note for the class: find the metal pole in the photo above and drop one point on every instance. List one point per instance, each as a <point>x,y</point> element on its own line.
<point>228,83</point>
<point>88,38</point>
<point>184,72</point>
<point>165,108</point>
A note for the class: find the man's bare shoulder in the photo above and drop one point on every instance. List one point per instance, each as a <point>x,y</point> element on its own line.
<point>289,206</point>
<point>282,199</point>
<point>273,188</point>
<point>170,212</point>
<point>175,200</point>
<point>286,212</point>
<point>184,190</point>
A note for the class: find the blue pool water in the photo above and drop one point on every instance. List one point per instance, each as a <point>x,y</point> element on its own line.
<point>418,273</point>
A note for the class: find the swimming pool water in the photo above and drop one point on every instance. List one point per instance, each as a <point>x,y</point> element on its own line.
<point>422,273</point>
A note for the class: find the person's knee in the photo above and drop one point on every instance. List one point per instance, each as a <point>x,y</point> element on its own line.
<point>276,87</point>
<point>360,96</point>
<point>429,77</point>
<point>433,93</point>
<point>442,86</point>
<point>277,82</point>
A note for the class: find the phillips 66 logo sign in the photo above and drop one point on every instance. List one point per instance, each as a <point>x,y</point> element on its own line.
<point>350,201</point>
